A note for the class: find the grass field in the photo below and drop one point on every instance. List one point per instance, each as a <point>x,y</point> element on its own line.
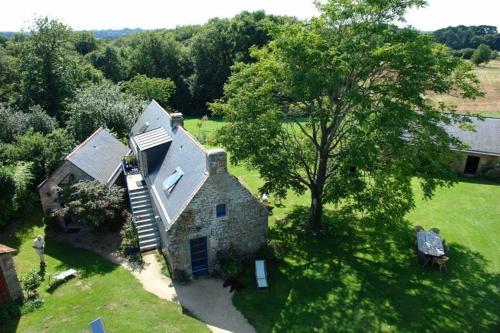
<point>360,277</point>
<point>489,106</point>
<point>102,290</point>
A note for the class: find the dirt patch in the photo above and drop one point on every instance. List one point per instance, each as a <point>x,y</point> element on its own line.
<point>489,77</point>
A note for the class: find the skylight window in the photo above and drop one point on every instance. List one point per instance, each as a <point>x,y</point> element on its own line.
<point>172,180</point>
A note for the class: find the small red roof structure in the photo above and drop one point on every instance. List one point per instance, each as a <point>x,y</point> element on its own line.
<point>5,249</point>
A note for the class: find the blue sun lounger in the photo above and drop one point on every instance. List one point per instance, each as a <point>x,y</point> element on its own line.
<point>261,274</point>
<point>97,326</point>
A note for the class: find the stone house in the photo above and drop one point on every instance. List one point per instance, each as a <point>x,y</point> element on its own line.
<point>482,155</point>
<point>97,158</point>
<point>185,201</point>
<point>10,288</point>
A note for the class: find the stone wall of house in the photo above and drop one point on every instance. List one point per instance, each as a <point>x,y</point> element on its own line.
<point>243,228</point>
<point>8,270</point>
<point>487,164</point>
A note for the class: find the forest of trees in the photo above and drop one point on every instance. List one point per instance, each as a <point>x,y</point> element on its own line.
<point>468,37</point>
<point>58,85</point>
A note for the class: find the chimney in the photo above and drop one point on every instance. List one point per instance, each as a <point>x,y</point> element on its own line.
<point>216,161</point>
<point>176,119</point>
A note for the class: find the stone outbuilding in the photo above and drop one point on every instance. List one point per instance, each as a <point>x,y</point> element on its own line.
<point>97,158</point>
<point>185,201</point>
<point>10,288</point>
<point>482,155</point>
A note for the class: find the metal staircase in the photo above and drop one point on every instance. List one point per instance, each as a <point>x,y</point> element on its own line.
<point>143,214</point>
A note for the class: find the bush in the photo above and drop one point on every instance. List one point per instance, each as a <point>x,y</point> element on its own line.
<point>229,263</point>
<point>94,204</point>
<point>275,250</point>
<point>31,305</point>
<point>40,121</point>
<point>30,283</point>
<point>129,243</point>
<point>467,53</point>
<point>481,55</point>
<point>15,196</point>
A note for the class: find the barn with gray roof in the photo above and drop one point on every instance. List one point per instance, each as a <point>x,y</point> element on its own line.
<point>97,158</point>
<point>184,200</point>
<point>481,155</point>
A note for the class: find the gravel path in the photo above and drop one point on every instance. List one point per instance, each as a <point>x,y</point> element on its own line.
<point>211,303</point>
<point>205,298</point>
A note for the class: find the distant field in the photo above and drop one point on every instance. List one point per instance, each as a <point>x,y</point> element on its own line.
<point>489,106</point>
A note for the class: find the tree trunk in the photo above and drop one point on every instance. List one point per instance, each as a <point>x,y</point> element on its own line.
<point>316,188</point>
<point>316,209</point>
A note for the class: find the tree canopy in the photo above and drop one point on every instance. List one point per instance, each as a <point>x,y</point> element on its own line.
<point>44,152</point>
<point>49,69</point>
<point>15,180</point>
<point>147,88</point>
<point>462,37</point>
<point>102,104</point>
<point>336,106</point>
<point>481,55</point>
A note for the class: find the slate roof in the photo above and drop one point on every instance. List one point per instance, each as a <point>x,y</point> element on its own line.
<point>184,152</point>
<point>484,140</point>
<point>152,138</point>
<point>99,155</point>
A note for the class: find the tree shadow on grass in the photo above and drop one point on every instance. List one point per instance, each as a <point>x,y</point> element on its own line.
<point>478,180</point>
<point>14,234</point>
<point>360,274</point>
<point>85,262</point>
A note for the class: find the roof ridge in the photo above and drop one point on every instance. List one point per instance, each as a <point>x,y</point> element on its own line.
<point>196,142</point>
<point>84,142</point>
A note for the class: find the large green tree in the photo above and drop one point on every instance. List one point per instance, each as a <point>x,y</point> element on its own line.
<point>102,104</point>
<point>218,45</point>
<point>158,54</point>
<point>110,62</point>
<point>148,88</point>
<point>15,181</point>
<point>44,152</point>
<point>49,67</point>
<point>336,106</point>
<point>84,42</point>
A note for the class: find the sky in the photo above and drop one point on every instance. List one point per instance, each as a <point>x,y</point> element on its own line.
<point>153,14</point>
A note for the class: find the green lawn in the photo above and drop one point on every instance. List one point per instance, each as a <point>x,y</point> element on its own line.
<point>103,290</point>
<point>361,276</point>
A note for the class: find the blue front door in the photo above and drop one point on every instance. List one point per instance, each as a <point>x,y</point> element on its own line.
<point>199,257</point>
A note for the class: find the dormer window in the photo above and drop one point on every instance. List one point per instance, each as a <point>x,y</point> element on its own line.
<point>172,180</point>
<point>220,210</point>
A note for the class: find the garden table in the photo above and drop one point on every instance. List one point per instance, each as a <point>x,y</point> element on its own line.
<point>430,243</point>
